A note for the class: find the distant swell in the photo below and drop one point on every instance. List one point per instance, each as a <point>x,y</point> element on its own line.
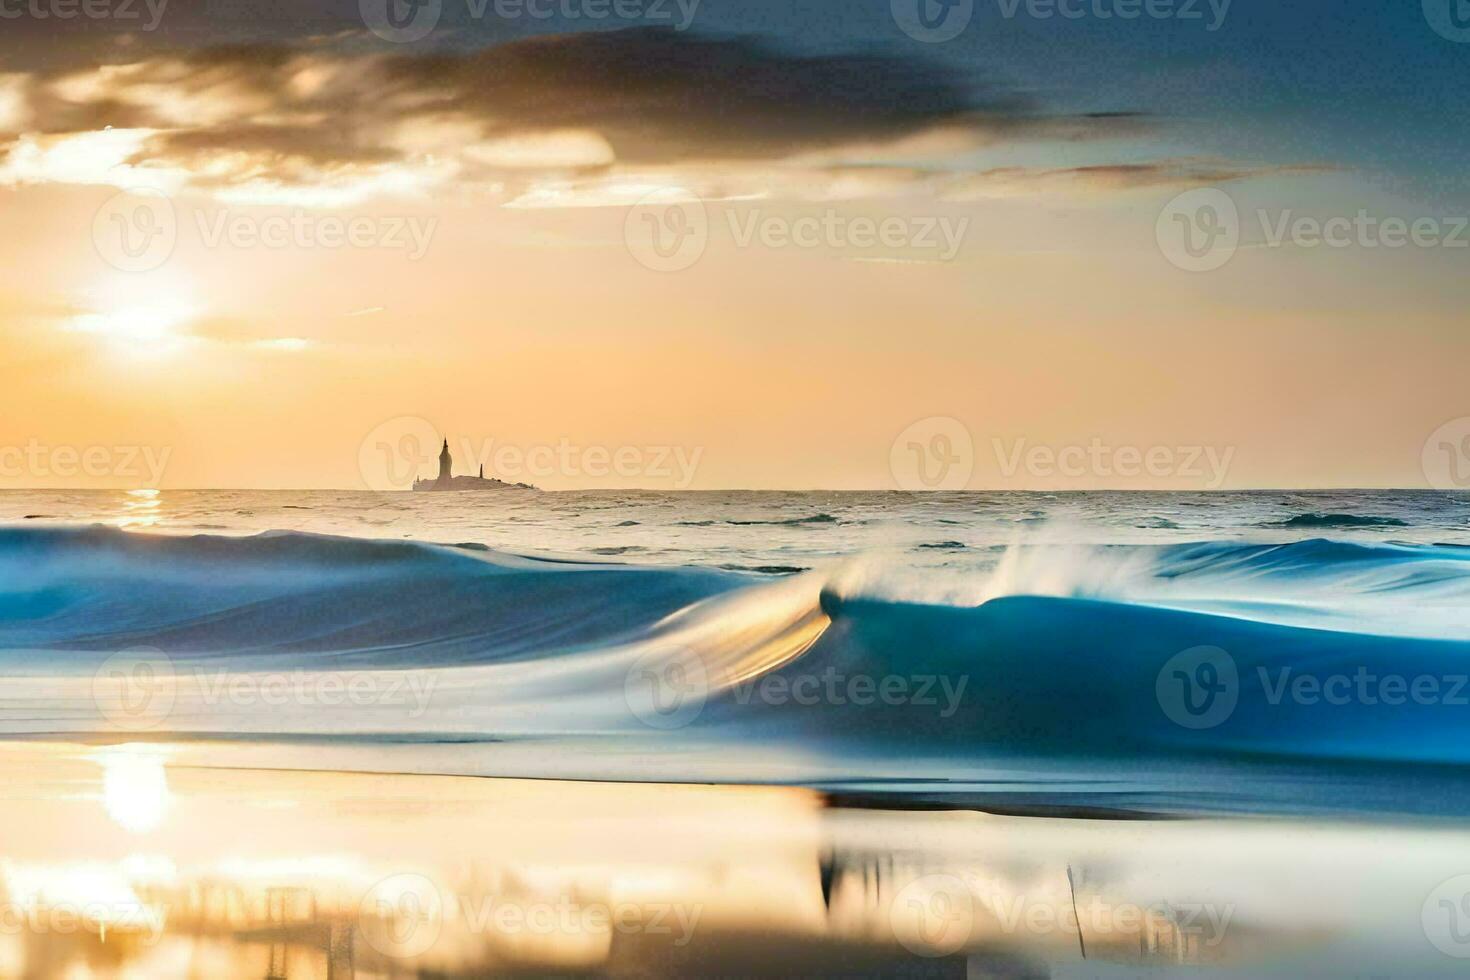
<point>1338,521</point>
<point>789,522</point>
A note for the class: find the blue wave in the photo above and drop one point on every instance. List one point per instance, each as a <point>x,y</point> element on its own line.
<point>1090,658</point>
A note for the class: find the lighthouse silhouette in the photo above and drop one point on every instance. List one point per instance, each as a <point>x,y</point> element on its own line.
<point>446,466</point>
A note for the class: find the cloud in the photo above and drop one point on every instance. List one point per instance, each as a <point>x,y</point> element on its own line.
<point>593,118</point>
<point>314,123</point>
<point>1178,173</point>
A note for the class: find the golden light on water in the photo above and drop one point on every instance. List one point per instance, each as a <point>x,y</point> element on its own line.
<point>135,787</point>
<point>350,874</point>
<point>141,509</point>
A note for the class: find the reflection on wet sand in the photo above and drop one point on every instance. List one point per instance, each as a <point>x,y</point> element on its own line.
<point>129,861</point>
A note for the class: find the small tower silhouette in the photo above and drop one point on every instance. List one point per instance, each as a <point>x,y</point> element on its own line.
<point>446,466</point>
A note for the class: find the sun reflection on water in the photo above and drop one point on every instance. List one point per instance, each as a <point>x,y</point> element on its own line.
<point>134,787</point>
<point>141,509</point>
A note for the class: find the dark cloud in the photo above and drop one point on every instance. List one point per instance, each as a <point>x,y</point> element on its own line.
<point>572,118</point>
<point>653,96</point>
<point>657,95</point>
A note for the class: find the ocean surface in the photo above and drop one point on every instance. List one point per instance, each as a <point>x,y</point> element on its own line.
<point>1149,653</point>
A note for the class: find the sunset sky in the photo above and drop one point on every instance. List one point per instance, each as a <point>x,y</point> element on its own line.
<point>495,286</point>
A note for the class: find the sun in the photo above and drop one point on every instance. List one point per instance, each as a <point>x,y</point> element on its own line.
<point>139,321</point>
<point>138,326</point>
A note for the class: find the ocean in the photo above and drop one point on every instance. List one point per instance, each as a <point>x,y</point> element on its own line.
<point>1196,653</point>
<point>747,734</point>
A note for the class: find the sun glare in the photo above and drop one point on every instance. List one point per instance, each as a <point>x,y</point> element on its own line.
<point>153,326</point>
<point>134,787</point>
<point>151,323</point>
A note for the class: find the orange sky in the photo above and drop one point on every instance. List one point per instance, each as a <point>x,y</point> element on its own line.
<point>524,313</point>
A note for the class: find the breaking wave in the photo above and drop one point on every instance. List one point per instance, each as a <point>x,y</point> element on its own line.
<point>1060,655</point>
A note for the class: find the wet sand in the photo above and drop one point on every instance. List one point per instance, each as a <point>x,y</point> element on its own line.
<point>138,861</point>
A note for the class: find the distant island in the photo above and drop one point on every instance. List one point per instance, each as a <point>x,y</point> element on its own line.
<point>446,479</point>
